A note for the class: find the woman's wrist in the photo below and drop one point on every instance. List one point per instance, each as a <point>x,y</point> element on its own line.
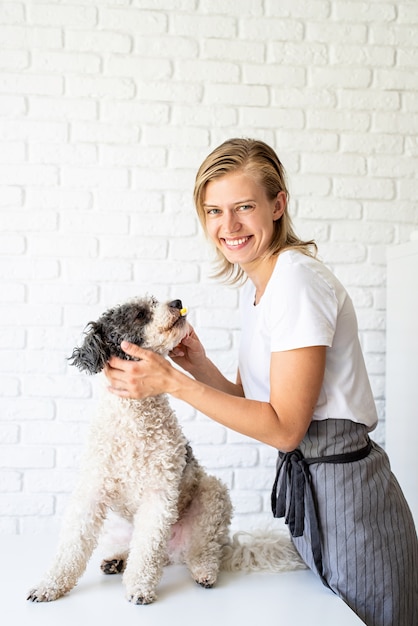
<point>179,384</point>
<point>201,370</point>
<point>208,374</point>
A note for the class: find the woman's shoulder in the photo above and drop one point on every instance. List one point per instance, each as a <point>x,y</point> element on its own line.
<point>297,268</point>
<point>294,262</point>
<point>294,257</point>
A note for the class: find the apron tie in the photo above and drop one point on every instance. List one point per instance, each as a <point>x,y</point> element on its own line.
<point>295,493</point>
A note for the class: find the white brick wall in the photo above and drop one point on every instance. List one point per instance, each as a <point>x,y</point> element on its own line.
<point>107,108</point>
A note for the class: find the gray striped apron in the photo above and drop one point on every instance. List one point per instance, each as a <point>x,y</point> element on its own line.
<point>350,522</point>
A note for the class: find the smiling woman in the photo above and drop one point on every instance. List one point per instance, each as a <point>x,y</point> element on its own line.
<point>240,221</point>
<point>264,178</point>
<point>301,387</point>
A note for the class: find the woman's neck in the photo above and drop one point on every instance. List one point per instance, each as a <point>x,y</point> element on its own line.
<point>260,276</point>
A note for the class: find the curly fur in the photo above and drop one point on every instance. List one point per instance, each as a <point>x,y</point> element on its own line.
<point>139,465</point>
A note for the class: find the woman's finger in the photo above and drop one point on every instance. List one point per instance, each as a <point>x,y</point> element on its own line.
<point>133,350</point>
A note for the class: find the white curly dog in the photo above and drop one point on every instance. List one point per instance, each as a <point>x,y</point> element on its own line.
<point>139,465</point>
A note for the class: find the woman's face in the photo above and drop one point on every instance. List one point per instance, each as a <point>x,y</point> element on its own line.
<point>240,217</point>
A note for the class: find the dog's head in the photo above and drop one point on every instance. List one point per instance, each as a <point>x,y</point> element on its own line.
<point>143,321</point>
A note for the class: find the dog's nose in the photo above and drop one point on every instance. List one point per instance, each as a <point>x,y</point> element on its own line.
<point>176,304</point>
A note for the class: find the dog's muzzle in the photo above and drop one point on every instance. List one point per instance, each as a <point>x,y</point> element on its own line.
<point>177,304</point>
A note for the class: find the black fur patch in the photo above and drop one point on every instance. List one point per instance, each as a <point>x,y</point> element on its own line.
<point>103,338</point>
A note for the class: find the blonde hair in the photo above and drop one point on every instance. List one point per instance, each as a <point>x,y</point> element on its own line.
<point>259,160</point>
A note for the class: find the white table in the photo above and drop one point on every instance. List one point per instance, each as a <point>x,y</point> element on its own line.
<point>244,599</point>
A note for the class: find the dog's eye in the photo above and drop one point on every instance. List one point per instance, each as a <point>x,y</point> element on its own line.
<point>141,315</point>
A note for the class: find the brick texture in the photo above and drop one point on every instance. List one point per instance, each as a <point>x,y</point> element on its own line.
<point>107,107</point>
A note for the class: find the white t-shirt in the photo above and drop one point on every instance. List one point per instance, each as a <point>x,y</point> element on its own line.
<point>304,305</point>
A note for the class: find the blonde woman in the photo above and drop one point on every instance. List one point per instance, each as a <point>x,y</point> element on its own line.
<point>301,387</point>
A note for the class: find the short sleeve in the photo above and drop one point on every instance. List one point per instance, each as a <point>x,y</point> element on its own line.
<point>304,310</point>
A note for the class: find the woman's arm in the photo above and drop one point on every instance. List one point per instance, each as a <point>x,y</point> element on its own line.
<point>296,379</point>
<point>191,356</point>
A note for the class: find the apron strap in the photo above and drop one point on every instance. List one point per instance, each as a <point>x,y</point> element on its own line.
<point>295,493</point>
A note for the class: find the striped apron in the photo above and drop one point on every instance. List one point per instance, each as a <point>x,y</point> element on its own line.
<point>350,522</point>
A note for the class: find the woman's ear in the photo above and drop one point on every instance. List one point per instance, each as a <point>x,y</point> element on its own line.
<point>280,204</point>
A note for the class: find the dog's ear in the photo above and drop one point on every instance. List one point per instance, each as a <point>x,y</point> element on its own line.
<point>93,355</point>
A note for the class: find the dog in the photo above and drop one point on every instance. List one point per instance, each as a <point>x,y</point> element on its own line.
<point>140,466</point>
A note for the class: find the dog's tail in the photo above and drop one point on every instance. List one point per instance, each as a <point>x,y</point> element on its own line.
<point>268,550</point>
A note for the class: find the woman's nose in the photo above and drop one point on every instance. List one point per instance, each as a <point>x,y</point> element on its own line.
<point>231,222</point>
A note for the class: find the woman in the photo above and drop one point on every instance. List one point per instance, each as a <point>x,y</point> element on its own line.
<point>301,387</point>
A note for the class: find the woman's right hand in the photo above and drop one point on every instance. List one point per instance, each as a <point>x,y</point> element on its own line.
<point>189,354</point>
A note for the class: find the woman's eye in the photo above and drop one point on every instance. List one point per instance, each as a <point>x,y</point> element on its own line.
<point>245,207</point>
<point>213,211</point>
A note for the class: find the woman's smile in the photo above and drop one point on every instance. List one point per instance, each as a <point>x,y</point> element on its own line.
<point>236,243</point>
<point>240,217</point>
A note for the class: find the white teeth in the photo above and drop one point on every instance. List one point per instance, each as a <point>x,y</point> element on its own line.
<point>236,242</point>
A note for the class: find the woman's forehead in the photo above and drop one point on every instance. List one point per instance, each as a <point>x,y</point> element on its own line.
<point>233,186</point>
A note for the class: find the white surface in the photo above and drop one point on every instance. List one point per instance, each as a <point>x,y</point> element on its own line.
<point>402,368</point>
<point>288,598</point>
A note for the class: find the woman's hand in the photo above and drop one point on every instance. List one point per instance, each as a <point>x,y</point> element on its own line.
<point>189,354</point>
<point>149,376</point>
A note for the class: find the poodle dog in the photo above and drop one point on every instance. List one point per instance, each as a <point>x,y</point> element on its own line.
<point>140,466</point>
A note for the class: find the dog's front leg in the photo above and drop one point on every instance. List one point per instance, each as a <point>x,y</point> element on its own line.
<point>148,551</point>
<point>78,538</point>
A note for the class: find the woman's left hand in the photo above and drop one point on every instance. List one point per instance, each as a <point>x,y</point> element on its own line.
<point>148,376</point>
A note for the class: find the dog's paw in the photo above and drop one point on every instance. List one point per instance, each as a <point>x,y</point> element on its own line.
<point>112,566</point>
<point>206,583</point>
<point>141,598</point>
<point>43,594</point>
<point>205,576</point>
